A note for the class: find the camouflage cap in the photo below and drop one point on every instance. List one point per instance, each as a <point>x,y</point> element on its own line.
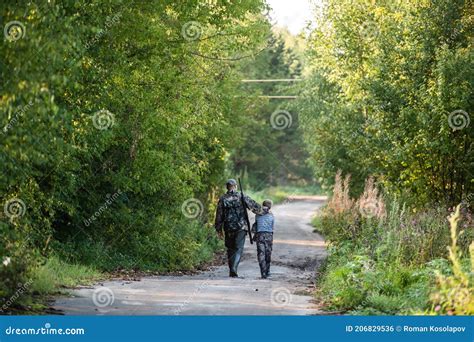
<point>267,203</point>
<point>231,182</point>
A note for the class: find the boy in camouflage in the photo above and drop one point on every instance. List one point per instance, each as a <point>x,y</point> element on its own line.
<point>263,235</point>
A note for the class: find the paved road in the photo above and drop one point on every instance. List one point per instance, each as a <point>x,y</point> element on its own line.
<point>297,253</point>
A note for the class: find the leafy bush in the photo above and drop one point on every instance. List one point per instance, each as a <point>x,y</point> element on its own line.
<point>178,245</point>
<point>16,261</point>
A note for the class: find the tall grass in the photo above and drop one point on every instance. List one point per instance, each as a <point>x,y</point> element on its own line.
<point>384,257</point>
<point>455,293</point>
<point>56,274</point>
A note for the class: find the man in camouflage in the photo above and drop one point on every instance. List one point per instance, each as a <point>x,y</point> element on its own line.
<point>230,219</point>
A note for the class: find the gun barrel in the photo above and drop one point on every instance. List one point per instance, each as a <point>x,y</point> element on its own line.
<point>246,215</point>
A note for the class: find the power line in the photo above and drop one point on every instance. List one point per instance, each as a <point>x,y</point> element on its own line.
<point>273,80</point>
<point>288,97</point>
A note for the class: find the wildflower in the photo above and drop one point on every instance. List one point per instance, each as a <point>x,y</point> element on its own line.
<point>6,261</point>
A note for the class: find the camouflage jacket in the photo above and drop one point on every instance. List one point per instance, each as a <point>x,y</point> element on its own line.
<point>230,211</point>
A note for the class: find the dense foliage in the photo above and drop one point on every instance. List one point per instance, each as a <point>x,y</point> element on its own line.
<point>119,119</point>
<point>385,259</point>
<point>391,94</point>
<point>389,101</point>
<point>273,152</point>
<point>114,113</point>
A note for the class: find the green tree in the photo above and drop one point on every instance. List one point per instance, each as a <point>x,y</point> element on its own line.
<point>115,115</point>
<point>391,95</point>
<point>273,151</point>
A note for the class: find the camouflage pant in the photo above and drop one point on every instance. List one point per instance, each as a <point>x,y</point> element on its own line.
<point>234,241</point>
<point>264,252</point>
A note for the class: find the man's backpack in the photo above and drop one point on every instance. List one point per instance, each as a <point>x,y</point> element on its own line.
<point>232,213</point>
